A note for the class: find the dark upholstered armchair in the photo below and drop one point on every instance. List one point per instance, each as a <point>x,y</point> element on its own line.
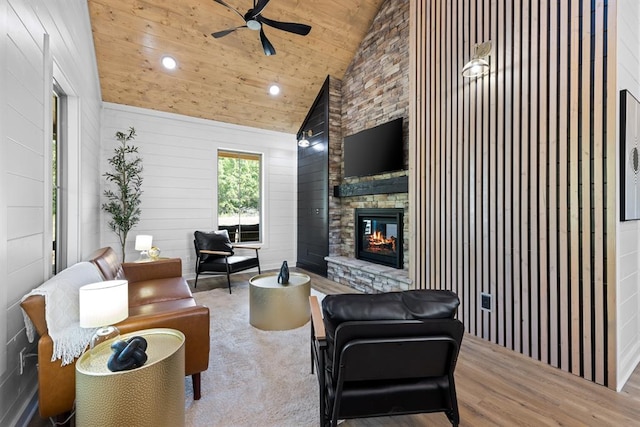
<point>216,255</point>
<point>386,354</point>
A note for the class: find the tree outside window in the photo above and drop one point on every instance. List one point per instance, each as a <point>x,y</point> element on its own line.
<point>239,195</point>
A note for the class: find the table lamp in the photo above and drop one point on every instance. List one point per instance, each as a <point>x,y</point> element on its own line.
<point>143,244</point>
<point>101,305</point>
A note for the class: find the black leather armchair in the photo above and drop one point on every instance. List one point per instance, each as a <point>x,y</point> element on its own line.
<point>215,254</point>
<point>386,354</point>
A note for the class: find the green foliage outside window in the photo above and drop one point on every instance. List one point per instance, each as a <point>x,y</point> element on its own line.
<point>238,188</point>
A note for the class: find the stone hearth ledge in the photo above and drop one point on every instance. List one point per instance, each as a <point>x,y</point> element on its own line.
<point>366,276</point>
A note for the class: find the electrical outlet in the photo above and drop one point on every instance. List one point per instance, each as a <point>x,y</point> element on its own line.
<point>485,301</point>
<point>22,360</point>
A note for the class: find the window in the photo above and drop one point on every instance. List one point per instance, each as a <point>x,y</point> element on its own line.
<point>240,195</point>
<point>64,198</point>
<point>57,112</point>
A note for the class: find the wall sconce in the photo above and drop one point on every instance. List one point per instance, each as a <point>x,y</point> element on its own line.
<point>478,65</point>
<point>303,141</point>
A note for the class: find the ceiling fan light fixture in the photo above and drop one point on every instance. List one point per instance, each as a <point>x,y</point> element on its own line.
<point>255,20</point>
<point>254,25</point>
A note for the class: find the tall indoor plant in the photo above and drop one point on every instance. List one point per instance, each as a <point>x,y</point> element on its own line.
<point>123,201</point>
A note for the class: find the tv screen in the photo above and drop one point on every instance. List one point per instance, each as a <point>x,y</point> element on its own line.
<point>375,150</point>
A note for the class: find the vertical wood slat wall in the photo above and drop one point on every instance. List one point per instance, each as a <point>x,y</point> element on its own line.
<point>512,175</point>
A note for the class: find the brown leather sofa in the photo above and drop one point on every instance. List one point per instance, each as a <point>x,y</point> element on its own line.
<point>159,297</point>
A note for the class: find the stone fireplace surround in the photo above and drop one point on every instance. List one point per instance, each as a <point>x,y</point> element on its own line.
<point>342,265</point>
<point>374,90</point>
<point>365,276</point>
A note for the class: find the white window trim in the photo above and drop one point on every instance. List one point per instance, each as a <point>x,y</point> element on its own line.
<point>71,182</point>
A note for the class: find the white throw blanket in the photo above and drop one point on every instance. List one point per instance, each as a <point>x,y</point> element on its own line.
<point>62,311</point>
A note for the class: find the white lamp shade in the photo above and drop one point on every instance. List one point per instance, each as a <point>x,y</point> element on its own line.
<point>104,303</point>
<point>143,242</point>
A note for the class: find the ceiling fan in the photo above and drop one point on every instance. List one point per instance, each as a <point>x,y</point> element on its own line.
<point>254,21</point>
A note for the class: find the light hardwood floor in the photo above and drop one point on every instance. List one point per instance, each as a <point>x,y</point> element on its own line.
<point>498,387</point>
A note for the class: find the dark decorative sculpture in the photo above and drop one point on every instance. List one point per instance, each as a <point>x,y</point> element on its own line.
<point>127,355</point>
<point>284,274</point>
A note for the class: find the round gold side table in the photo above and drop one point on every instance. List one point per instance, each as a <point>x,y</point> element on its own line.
<point>276,307</point>
<point>151,395</point>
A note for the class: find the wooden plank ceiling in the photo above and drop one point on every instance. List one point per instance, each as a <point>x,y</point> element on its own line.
<point>225,79</point>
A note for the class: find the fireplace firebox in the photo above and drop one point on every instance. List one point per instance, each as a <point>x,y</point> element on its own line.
<point>379,236</point>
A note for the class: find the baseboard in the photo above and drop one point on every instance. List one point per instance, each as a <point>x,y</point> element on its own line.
<point>29,410</point>
<point>627,365</point>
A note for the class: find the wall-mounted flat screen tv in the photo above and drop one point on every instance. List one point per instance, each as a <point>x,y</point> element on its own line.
<point>376,150</point>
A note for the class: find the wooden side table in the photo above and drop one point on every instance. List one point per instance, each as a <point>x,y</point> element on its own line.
<point>276,307</point>
<point>151,395</point>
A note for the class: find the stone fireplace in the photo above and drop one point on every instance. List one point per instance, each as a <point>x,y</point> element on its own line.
<point>384,202</point>
<point>379,236</point>
<point>374,90</point>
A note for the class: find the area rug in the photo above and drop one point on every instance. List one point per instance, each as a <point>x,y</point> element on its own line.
<point>255,377</point>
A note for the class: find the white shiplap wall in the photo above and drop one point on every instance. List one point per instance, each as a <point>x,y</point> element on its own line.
<point>180,170</point>
<point>27,65</point>
<point>628,239</point>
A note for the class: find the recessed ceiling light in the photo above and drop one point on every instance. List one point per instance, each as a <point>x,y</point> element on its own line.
<point>169,63</point>
<point>274,89</point>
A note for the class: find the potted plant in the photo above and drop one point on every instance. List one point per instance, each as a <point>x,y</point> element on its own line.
<point>123,201</point>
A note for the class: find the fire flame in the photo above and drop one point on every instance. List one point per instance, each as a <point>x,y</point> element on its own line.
<point>378,241</point>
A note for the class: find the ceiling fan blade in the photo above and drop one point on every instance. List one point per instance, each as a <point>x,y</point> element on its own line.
<point>229,7</point>
<point>223,33</point>
<point>266,44</point>
<point>257,10</point>
<point>292,27</point>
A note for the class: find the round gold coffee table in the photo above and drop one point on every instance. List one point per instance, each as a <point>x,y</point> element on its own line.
<point>276,307</point>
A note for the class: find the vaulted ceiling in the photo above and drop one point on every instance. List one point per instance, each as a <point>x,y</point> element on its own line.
<point>225,79</point>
